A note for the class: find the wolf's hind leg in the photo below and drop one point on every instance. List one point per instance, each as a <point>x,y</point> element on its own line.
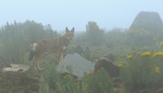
<point>38,59</point>
<point>60,56</point>
<point>34,64</point>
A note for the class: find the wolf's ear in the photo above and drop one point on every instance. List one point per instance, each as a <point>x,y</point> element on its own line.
<point>72,29</point>
<point>67,29</point>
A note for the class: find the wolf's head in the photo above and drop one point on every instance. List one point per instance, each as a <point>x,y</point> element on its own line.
<point>69,33</point>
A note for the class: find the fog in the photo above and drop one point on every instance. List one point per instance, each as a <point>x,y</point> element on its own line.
<point>76,13</point>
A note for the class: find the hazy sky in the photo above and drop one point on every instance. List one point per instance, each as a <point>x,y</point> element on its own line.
<point>76,13</point>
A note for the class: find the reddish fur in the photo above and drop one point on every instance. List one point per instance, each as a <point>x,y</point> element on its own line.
<point>51,45</point>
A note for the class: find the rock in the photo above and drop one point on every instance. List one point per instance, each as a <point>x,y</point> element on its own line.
<point>150,21</point>
<point>16,68</point>
<point>108,58</point>
<point>35,87</point>
<point>79,49</point>
<point>19,82</point>
<point>6,69</point>
<point>75,63</point>
<point>107,63</point>
<point>112,69</point>
<point>111,57</point>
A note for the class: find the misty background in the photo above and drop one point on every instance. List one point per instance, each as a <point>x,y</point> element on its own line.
<point>126,33</point>
<point>76,13</point>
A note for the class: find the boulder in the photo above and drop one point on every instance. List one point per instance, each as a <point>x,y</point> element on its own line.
<point>150,21</point>
<point>16,68</point>
<point>107,63</point>
<point>79,49</point>
<point>76,65</point>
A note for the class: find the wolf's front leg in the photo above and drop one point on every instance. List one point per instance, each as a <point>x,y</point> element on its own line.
<point>34,65</point>
<point>60,56</point>
<point>37,59</point>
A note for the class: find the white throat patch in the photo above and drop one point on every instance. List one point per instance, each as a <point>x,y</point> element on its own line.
<point>68,38</point>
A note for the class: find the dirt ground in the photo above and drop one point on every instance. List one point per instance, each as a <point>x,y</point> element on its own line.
<point>18,82</point>
<point>27,82</point>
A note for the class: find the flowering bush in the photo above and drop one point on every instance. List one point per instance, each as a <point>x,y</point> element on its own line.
<point>140,37</point>
<point>99,82</point>
<point>142,70</point>
<point>94,33</point>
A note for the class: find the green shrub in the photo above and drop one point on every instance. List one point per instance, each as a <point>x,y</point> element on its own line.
<point>16,37</point>
<point>114,37</point>
<point>151,21</point>
<point>90,83</point>
<point>51,76</point>
<point>13,50</point>
<point>95,35</point>
<point>87,54</point>
<point>139,37</point>
<point>97,83</point>
<point>142,70</point>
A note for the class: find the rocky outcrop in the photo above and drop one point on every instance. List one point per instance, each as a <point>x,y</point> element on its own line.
<point>149,21</point>
<point>75,65</point>
<point>16,80</point>
<point>107,63</point>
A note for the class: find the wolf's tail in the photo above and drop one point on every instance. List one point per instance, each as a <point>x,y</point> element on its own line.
<point>33,51</point>
<point>31,55</point>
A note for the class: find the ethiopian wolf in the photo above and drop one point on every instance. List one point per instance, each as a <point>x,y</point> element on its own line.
<point>39,48</point>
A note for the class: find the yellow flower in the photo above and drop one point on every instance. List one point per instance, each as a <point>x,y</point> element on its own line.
<point>157,70</point>
<point>84,89</point>
<point>100,83</point>
<point>86,85</point>
<point>98,70</point>
<point>155,38</point>
<point>137,30</point>
<point>144,31</point>
<point>138,52</point>
<point>126,33</point>
<point>145,67</point>
<point>161,43</point>
<point>129,56</point>
<point>89,73</point>
<point>86,79</point>
<point>158,54</point>
<point>146,54</point>
<point>120,65</point>
<point>67,75</point>
<point>102,68</point>
<point>127,66</point>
